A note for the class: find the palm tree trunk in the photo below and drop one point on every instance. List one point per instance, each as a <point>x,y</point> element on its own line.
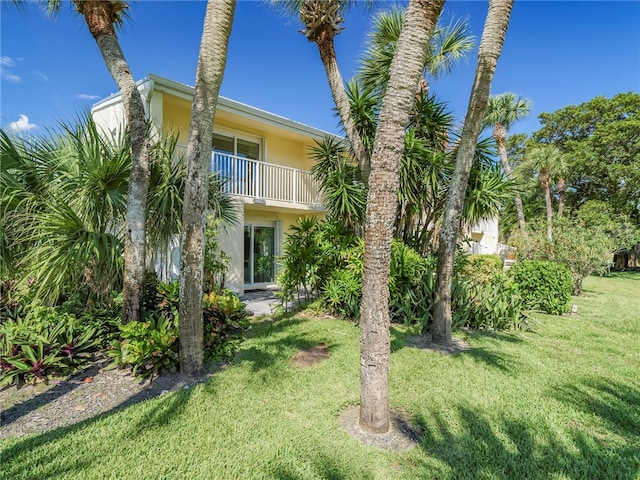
<point>211,64</point>
<point>495,29</point>
<point>562,188</point>
<point>99,16</point>
<point>544,180</point>
<point>502,150</point>
<point>327,52</point>
<point>382,201</point>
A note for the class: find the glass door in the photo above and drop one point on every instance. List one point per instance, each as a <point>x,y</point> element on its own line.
<point>259,254</point>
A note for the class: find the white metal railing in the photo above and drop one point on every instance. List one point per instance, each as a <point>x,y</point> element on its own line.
<point>252,178</point>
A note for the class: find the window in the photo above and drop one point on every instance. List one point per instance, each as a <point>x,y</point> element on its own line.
<point>230,161</point>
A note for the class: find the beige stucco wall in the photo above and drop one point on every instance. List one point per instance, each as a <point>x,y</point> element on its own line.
<point>280,147</point>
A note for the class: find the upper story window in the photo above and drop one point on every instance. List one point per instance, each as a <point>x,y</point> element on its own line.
<point>238,147</point>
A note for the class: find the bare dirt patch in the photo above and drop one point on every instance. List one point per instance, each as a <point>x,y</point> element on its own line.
<point>311,356</point>
<point>403,434</point>
<point>35,409</point>
<point>423,342</point>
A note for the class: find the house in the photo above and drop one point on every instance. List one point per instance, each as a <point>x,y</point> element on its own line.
<point>264,159</point>
<point>483,237</point>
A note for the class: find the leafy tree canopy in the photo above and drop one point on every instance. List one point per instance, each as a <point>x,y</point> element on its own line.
<point>603,138</point>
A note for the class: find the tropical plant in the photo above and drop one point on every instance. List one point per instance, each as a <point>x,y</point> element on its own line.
<point>41,342</point>
<point>502,112</point>
<point>397,103</point>
<point>322,20</point>
<point>103,18</point>
<point>491,43</point>
<point>545,161</point>
<point>63,205</point>
<point>63,201</point>
<point>543,285</point>
<point>212,59</point>
<point>449,45</point>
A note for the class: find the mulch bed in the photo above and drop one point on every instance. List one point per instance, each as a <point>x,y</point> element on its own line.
<point>35,409</point>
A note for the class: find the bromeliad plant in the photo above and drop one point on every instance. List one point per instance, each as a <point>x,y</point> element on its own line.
<point>45,342</point>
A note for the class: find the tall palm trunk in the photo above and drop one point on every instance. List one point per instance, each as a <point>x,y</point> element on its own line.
<point>545,181</point>
<point>500,134</point>
<point>562,188</point>
<point>495,29</point>
<point>211,64</point>
<point>100,16</point>
<point>322,19</point>
<point>382,201</point>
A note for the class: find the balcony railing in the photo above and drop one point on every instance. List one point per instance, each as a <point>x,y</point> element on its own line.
<point>252,178</point>
<point>259,180</point>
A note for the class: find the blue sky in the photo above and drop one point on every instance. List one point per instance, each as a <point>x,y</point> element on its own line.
<point>555,53</point>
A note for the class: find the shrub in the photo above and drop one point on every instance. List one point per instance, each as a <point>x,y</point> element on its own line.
<point>225,320</point>
<point>151,347</point>
<point>482,269</point>
<point>493,305</point>
<point>44,342</point>
<point>148,347</point>
<point>343,293</point>
<point>543,285</point>
<point>584,248</point>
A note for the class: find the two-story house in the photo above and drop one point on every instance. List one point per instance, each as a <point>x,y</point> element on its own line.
<point>264,160</point>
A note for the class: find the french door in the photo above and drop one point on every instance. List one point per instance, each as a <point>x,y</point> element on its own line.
<point>259,254</point>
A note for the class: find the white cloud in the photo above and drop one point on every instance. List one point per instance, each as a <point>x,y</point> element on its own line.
<point>22,125</point>
<point>10,77</point>
<point>41,76</point>
<point>7,61</point>
<point>84,96</point>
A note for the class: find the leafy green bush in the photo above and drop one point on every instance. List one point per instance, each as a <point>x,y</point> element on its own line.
<point>482,269</point>
<point>494,305</point>
<point>148,347</point>
<point>151,347</point>
<point>583,247</point>
<point>44,342</point>
<point>225,320</point>
<point>543,285</point>
<point>312,252</point>
<point>343,293</point>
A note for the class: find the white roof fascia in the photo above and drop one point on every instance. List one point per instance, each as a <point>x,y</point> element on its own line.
<point>160,84</point>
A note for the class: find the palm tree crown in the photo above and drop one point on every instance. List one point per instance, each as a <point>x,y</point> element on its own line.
<point>503,111</point>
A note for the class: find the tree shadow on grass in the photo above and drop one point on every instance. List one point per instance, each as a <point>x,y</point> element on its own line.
<point>57,463</point>
<point>482,447</point>
<point>324,465</point>
<point>617,404</point>
<point>276,344</point>
<point>491,357</point>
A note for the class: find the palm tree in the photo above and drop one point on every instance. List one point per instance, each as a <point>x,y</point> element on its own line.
<point>102,18</point>
<point>544,161</point>
<point>322,21</point>
<point>406,70</point>
<point>502,112</point>
<point>211,64</point>
<point>63,203</point>
<point>63,207</point>
<point>449,44</point>
<point>495,29</point>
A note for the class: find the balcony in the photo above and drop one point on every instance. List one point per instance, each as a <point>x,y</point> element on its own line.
<point>265,181</point>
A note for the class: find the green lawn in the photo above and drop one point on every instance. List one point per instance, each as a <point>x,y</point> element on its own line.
<point>561,401</point>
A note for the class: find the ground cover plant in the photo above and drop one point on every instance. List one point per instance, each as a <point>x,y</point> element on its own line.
<point>561,401</point>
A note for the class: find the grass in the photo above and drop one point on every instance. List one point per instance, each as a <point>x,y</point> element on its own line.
<point>561,401</point>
